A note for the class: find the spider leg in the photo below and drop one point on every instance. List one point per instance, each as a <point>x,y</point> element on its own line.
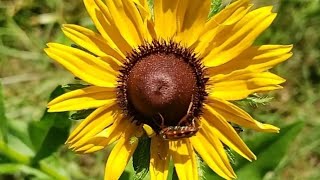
<point>157,123</point>
<point>162,120</point>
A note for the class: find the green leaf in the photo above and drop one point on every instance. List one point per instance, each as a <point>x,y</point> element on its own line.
<point>175,174</point>
<point>50,132</point>
<point>215,7</point>
<point>3,119</point>
<point>141,158</point>
<point>201,167</point>
<point>81,114</point>
<point>151,5</point>
<point>254,100</point>
<point>270,150</point>
<point>171,170</point>
<point>230,155</point>
<point>12,168</point>
<point>129,172</point>
<point>72,87</point>
<point>83,49</point>
<point>4,159</point>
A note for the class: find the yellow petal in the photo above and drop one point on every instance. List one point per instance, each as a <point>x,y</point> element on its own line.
<point>108,135</point>
<point>240,84</point>
<point>91,41</point>
<point>127,19</point>
<point>214,27</point>
<point>86,98</point>
<point>94,124</point>
<point>184,159</point>
<point>143,8</point>
<point>217,125</point>
<point>238,116</point>
<point>192,16</point>
<point>165,18</point>
<point>159,158</point>
<point>83,65</point>
<point>119,157</point>
<point>212,152</point>
<point>103,21</point>
<point>148,31</point>
<point>229,15</point>
<point>113,62</point>
<point>83,148</point>
<point>256,58</point>
<point>120,128</point>
<point>245,74</point>
<point>141,16</point>
<point>234,39</point>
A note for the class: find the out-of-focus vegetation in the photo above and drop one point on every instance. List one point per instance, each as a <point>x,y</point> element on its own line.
<point>28,77</point>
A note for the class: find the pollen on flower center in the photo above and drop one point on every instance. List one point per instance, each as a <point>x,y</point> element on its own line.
<point>159,83</point>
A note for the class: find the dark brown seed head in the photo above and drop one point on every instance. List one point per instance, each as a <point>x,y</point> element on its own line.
<point>159,82</point>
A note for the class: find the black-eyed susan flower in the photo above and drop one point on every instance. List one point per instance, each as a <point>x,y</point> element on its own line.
<point>172,71</point>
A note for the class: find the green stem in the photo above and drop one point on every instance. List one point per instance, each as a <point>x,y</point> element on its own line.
<point>48,170</point>
<point>13,155</point>
<point>17,157</point>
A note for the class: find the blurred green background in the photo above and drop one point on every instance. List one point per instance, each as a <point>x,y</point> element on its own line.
<point>28,77</point>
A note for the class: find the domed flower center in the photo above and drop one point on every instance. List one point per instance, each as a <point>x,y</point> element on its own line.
<point>162,85</point>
